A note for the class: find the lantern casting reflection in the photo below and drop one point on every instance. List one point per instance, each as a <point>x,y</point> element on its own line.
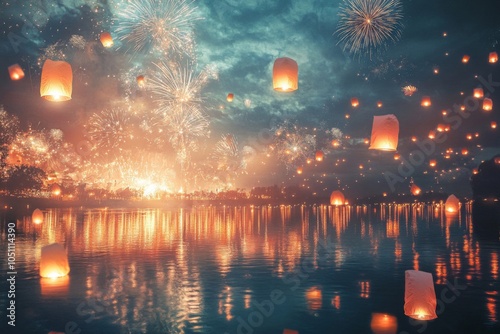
<point>37,216</point>
<point>420,297</point>
<point>337,198</point>
<point>452,204</point>
<point>54,261</point>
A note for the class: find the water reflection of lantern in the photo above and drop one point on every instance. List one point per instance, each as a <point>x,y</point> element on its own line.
<point>354,102</point>
<point>475,171</point>
<point>299,170</point>
<point>54,261</point>
<point>383,323</point>
<point>385,132</point>
<point>493,125</point>
<point>319,155</point>
<point>16,72</point>
<point>493,58</point>
<point>426,101</point>
<point>285,75</point>
<point>420,297</point>
<point>37,216</point>
<point>55,287</point>
<point>465,59</point>
<point>106,39</point>
<point>230,97</point>
<point>314,298</point>
<point>415,190</point>
<point>452,204</point>
<point>57,81</point>
<point>337,198</point>
<point>478,93</point>
<point>487,104</point>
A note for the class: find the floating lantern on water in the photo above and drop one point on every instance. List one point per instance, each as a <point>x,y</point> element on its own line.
<point>487,104</point>
<point>57,81</point>
<point>37,216</point>
<point>54,261</point>
<point>493,58</point>
<point>452,204</point>
<point>354,102</point>
<point>426,101</point>
<point>478,93</point>
<point>16,72</point>
<point>415,190</point>
<point>337,198</point>
<point>465,59</point>
<point>106,39</point>
<point>420,297</point>
<point>141,81</point>
<point>285,75</point>
<point>385,132</point>
<point>230,97</point>
<point>319,155</point>
<point>383,323</point>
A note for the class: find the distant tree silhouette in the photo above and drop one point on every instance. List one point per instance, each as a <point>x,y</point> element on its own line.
<point>486,183</point>
<point>24,179</point>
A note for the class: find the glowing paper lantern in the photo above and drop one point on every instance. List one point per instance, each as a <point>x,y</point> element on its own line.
<point>230,97</point>
<point>55,190</point>
<point>337,198</point>
<point>452,204</point>
<point>354,102</point>
<point>54,261</point>
<point>106,39</point>
<point>383,323</point>
<point>465,151</point>
<point>299,170</point>
<point>335,143</point>
<point>385,132</point>
<point>319,155</point>
<point>493,58</point>
<point>487,104</point>
<point>493,125</point>
<point>285,75</point>
<point>465,59</point>
<point>426,101</point>
<point>432,163</point>
<point>57,81</point>
<point>497,160</point>
<point>478,93</point>
<point>420,297</point>
<point>415,190</point>
<point>16,72</point>
<point>397,156</point>
<point>379,104</point>
<point>37,216</point>
<point>141,81</point>
<point>414,139</point>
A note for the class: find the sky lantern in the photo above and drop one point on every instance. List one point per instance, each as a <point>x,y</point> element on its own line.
<point>37,216</point>
<point>285,75</point>
<point>54,261</point>
<point>16,72</point>
<point>468,136</point>
<point>487,104</point>
<point>426,101</point>
<point>57,81</point>
<point>383,323</point>
<point>493,58</point>
<point>452,204</point>
<point>497,160</point>
<point>337,198</point>
<point>414,139</point>
<point>319,155</point>
<point>106,39</point>
<point>432,163</point>
<point>465,151</point>
<point>420,297</point>
<point>379,104</point>
<point>299,170</point>
<point>493,124</point>
<point>141,81</point>
<point>230,97</point>
<point>432,134</point>
<point>415,190</point>
<point>475,171</point>
<point>354,102</point>
<point>385,132</point>
<point>465,59</point>
<point>397,156</point>
<point>478,93</point>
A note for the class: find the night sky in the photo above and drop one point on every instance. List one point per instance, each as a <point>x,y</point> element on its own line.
<point>234,44</point>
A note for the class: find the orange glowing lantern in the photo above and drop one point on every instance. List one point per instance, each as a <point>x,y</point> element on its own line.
<point>397,156</point>
<point>354,102</point>
<point>432,163</point>
<point>432,134</point>
<point>366,141</point>
<point>493,125</point>
<point>337,198</point>
<point>478,93</point>
<point>420,297</point>
<point>452,204</point>
<point>37,216</point>
<point>57,81</point>
<point>335,143</point>
<point>141,81</point>
<point>55,190</point>
<point>426,101</point>
<point>413,139</point>
<point>385,132</point>
<point>290,331</point>
<point>285,75</point>
<point>497,160</point>
<point>469,136</point>
<point>475,171</point>
<point>415,190</point>
<point>465,59</point>
<point>383,323</point>
<point>319,155</point>
<point>16,72</point>
<point>106,39</point>
<point>493,58</point>
<point>487,104</point>
<point>379,104</point>
<point>54,261</point>
<point>230,97</point>
<point>465,151</point>
<point>299,170</point>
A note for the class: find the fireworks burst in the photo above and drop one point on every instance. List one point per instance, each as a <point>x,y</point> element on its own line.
<point>157,25</point>
<point>227,155</point>
<point>365,25</point>
<point>9,125</point>
<point>292,144</point>
<point>409,90</point>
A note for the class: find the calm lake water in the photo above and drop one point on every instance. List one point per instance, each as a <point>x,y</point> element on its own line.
<point>252,270</point>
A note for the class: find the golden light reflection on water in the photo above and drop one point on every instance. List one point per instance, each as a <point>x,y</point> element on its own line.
<point>151,266</point>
